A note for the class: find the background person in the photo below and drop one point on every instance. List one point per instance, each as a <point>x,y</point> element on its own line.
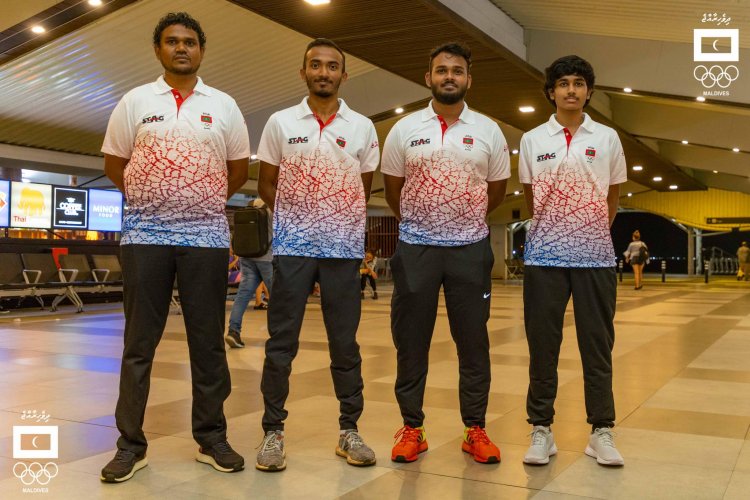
<point>743,256</point>
<point>367,274</point>
<point>635,255</point>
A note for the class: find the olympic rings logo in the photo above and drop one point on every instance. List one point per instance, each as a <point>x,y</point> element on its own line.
<point>36,472</point>
<point>716,75</point>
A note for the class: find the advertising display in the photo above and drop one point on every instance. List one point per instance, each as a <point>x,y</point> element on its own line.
<point>4,203</point>
<point>105,210</point>
<point>71,208</point>
<point>31,205</point>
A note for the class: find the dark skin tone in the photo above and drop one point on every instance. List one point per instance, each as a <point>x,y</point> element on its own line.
<point>180,53</point>
<point>448,77</point>
<point>323,73</point>
<point>570,96</point>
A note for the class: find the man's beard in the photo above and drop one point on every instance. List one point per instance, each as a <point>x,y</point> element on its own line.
<point>331,90</point>
<point>182,70</point>
<point>448,98</point>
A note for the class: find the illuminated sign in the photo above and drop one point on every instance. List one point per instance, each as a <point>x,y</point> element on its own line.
<point>105,210</point>
<point>4,203</point>
<point>31,205</point>
<point>71,208</point>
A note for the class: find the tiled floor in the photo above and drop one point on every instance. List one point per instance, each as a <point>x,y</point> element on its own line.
<point>682,388</point>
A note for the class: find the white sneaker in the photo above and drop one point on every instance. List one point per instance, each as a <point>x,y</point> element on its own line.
<point>602,447</point>
<point>542,446</point>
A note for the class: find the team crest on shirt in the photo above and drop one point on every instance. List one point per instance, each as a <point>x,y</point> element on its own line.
<point>206,120</point>
<point>468,142</point>
<point>590,154</point>
<point>341,142</point>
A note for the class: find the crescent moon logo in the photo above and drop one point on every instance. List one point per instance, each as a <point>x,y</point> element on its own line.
<point>714,45</point>
<point>33,442</point>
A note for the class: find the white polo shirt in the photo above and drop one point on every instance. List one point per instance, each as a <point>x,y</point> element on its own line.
<point>570,177</point>
<point>320,207</point>
<point>176,180</point>
<point>444,198</point>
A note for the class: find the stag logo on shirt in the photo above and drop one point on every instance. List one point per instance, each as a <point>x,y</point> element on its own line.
<point>298,140</point>
<point>419,142</point>
<point>153,119</point>
<point>544,157</point>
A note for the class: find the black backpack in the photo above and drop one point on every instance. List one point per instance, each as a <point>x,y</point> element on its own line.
<point>251,232</point>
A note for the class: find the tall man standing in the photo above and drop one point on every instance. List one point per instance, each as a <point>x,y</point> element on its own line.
<point>445,169</point>
<point>317,161</point>
<point>571,168</point>
<point>177,149</point>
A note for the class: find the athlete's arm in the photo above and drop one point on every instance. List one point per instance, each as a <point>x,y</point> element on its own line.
<point>613,200</point>
<point>268,177</point>
<point>114,168</point>
<point>495,194</point>
<point>236,175</point>
<point>393,186</point>
<point>528,194</point>
<point>367,183</point>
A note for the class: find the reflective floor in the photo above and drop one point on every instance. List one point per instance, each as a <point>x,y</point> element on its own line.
<point>682,388</point>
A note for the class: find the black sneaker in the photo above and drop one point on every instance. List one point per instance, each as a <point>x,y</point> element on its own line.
<point>221,457</point>
<point>375,295</point>
<point>233,339</point>
<point>123,466</point>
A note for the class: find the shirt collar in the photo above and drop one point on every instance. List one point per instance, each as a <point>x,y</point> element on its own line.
<point>162,87</point>
<point>466,116</point>
<point>554,127</point>
<point>303,110</point>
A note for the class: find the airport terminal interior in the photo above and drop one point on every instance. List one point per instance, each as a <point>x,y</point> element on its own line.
<point>671,79</point>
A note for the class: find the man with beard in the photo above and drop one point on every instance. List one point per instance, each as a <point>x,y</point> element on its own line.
<point>317,162</point>
<point>445,169</point>
<point>177,149</point>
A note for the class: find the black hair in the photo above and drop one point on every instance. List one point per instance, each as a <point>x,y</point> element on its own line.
<point>324,42</point>
<point>182,18</point>
<point>564,66</point>
<point>455,48</point>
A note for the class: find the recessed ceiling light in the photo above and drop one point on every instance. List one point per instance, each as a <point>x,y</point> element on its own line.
<point>515,151</point>
<point>657,179</point>
<point>684,142</point>
<point>627,90</point>
<point>630,194</point>
<point>700,98</point>
<point>716,171</point>
<point>736,150</point>
<point>516,192</point>
<point>673,186</point>
<point>95,3</point>
<point>253,157</point>
<point>38,29</point>
<point>526,109</point>
<point>637,168</point>
<point>318,2</point>
<point>399,110</point>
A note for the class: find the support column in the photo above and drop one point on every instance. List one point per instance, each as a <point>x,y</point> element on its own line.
<point>698,251</point>
<point>691,251</point>
<point>499,249</point>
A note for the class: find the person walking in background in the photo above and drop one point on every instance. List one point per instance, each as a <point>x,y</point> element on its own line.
<point>743,256</point>
<point>636,255</point>
<point>254,271</point>
<point>177,149</point>
<point>367,273</point>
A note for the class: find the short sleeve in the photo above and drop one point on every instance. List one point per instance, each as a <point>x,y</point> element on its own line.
<point>393,159</point>
<point>368,161</point>
<point>618,170</point>
<point>269,149</point>
<point>499,166</point>
<point>237,140</point>
<point>525,175</point>
<point>121,129</point>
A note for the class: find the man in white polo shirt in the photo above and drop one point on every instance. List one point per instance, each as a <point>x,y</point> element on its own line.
<point>317,161</point>
<point>571,168</point>
<point>445,169</point>
<point>177,149</point>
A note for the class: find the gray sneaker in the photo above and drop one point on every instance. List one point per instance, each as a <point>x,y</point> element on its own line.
<point>355,450</point>
<point>542,446</point>
<point>271,457</point>
<point>602,447</point>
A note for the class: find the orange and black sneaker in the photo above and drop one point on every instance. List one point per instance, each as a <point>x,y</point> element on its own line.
<point>410,442</point>
<point>478,445</point>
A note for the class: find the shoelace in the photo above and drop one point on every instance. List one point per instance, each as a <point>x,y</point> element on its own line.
<point>354,440</point>
<point>605,437</point>
<point>124,456</point>
<point>270,442</point>
<point>477,434</point>
<point>538,437</point>
<point>407,433</point>
<point>223,447</point>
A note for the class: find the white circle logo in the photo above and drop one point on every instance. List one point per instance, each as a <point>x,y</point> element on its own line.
<point>35,472</point>
<point>716,75</point>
